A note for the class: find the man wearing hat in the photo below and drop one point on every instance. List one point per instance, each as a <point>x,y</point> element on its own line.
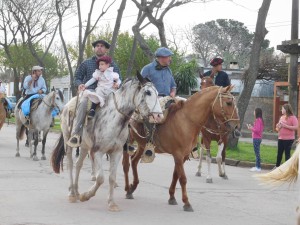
<point>160,74</point>
<point>83,74</point>
<point>34,83</point>
<point>220,77</point>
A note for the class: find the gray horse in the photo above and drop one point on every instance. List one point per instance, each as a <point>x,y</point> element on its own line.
<point>40,120</point>
<point>106,133</point>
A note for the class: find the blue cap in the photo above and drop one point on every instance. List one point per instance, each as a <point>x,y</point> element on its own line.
<point>163,52</point>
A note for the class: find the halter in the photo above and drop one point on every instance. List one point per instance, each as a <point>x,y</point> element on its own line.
<point>134,96</point>
<point>219,96</point>
<point>53,104</point>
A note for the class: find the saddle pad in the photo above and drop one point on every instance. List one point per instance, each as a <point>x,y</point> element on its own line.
<point>26,104</point>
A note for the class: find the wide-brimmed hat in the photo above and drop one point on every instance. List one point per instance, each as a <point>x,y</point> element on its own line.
<point>216,61</point>
<point>104,58</point>
<point>105,43</point>
<point>37,68</point>
<point>163,52</point>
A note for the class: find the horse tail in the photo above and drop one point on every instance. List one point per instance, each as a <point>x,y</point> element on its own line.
<point>287,172</point>
<point>58,155</point>
<point>22,132</point>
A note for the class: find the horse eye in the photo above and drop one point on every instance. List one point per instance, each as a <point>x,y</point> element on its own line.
<point>148,92</point>
<point>57,98</point>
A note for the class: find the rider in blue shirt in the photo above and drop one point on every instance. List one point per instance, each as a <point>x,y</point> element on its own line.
<point>160,74</point>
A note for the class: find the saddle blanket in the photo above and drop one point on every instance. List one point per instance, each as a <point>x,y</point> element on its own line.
<point>25,107</point>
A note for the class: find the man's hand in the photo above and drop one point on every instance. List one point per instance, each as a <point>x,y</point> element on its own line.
<point>40,92</point>
<point>115,86</point>
<point>173,93</point>
<point>81,87</point>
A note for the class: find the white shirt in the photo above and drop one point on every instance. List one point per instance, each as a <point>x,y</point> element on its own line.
<point>2,89</point>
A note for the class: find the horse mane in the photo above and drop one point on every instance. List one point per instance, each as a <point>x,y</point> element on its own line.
<point>174,108</point>
<point>60,95</point>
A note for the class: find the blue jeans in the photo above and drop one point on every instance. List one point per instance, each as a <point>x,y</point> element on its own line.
<point>256,145</point>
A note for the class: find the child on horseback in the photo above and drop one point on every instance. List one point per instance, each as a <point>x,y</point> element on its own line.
<point>107,81</point>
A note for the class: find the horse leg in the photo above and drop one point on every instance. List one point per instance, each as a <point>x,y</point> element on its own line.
<point>114,161</point>
<point>99,179</point>
<point>79,162</point>
<point>36,141</point>
<point>30,137</point>
<point>219,159</point>
<point>182,180</point>
<point>92,158</point>
<point>45,133</point>
<point>198,174</point>
<point>126,166</point>
<point>223,160</point>
<point>208,160</point>
<point>72,194</point>
<point>172,199</point>
<point>18,135</point>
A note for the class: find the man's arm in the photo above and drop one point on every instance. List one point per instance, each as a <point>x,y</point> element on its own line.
<point>44,87</point>
<point>79,75</point>
<point>27,82</point>
<point>173,87</point>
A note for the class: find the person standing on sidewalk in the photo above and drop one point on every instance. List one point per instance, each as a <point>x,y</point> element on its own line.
<point>286,127</point>
<point>257,130</point>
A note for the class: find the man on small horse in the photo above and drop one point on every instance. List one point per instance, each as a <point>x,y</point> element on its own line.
<point>33,84</point>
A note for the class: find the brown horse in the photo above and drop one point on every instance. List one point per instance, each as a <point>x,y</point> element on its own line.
<point>213,130</point>
<point>2,110</point>
<point>179,134</point>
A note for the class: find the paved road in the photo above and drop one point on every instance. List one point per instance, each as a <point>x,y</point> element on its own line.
<point>31,194</point>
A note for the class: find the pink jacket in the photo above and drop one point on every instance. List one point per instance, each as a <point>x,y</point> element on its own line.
<point>257,128</point>
<point>284,133</point>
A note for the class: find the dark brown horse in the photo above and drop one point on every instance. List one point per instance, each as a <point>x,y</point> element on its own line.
<point>179,134</point>
<point>213,130</point>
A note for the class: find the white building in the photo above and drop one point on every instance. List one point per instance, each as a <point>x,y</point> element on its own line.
<point>63,84</point>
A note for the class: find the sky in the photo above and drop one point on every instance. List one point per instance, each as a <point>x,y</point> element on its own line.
<point>178,19</point>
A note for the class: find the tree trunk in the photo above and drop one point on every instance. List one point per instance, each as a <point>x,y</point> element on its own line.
<point>117,28</point>
<point>259,36</point>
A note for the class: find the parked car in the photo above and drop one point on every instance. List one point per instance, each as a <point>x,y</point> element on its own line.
<point>13,101</point>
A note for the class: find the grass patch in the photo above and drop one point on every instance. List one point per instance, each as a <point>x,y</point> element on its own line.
<point>245,152</point>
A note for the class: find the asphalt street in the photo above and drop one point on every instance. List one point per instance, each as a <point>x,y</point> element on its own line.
<point>32,194</point>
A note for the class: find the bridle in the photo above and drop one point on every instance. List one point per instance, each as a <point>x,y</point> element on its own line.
<point>149,84</point>
<point>219,97</point>
<point>52,104</point>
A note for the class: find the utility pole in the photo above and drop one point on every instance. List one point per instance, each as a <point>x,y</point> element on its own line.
<point>293,49</point>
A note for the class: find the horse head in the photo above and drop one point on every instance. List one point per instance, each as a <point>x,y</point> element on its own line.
<point>147,100</point>
<point>57,99</point>
<point>206,81</point>
<point>224,108</point>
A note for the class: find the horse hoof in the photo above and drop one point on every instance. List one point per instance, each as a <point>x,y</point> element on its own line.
<point>209,180</point>
<point>83,198</point>
<point>129,196</point>
<point>72,199</point>
<point>43,157</point>
<point>188,208</point>
<point>172,201</point>
<point>198,174</point>
<point>116,185</point>
<point>113,208</point>
<point>17,154</point>
<point>224,176</point>
<point>35,158</point>
<point>93,178</point>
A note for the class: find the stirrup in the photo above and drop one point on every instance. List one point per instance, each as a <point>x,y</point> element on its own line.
<point>74,141</point>
<point>130,150</point>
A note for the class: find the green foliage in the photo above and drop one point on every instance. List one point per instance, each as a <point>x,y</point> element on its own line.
<point>23,61</point>
<point>185,77</point>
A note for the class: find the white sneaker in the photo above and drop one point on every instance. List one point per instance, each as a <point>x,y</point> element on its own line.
<point>255,169</point>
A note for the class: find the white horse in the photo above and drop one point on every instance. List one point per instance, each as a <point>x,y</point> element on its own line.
<point>107,132</point>
<point>286,173</point>
<point>40,120</point>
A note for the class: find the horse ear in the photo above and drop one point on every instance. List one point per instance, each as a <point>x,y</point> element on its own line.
<point>229,88</point>
<point>141,78</point>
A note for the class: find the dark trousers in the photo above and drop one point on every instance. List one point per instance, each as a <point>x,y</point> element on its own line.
<point>256,146</point>
<point>283,146</point>
<point>93,106</point>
